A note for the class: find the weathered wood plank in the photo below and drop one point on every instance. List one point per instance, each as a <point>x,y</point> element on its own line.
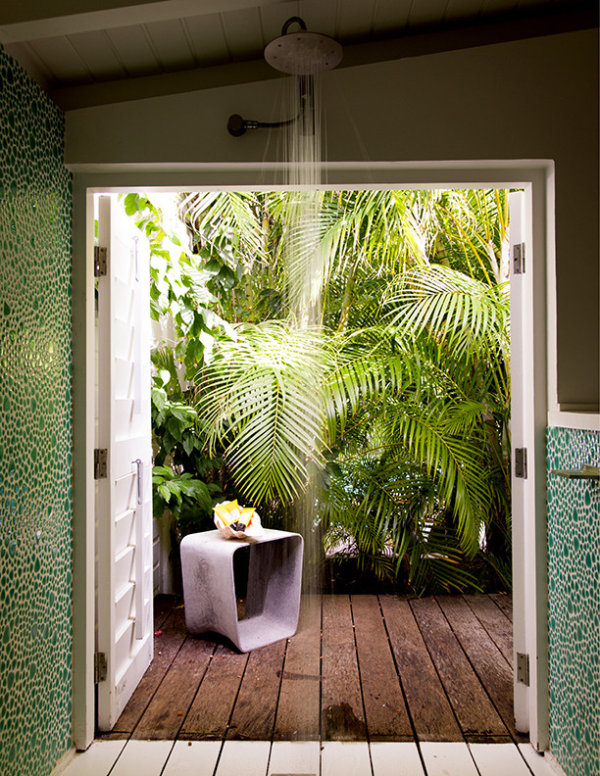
<point>504,602</point>
<point>254,712</point>
<point>166,711</point>
<point>163,692</point>
<point>163,606</point>
<point>496,623</point>
<point>209,714</point>
<point>342,715</point>
<point>298,710</point>
<point>385,710</point>
<point>493,671</point>
<point>473,709</point>
<point>429,707</point>
<point>166,646</point>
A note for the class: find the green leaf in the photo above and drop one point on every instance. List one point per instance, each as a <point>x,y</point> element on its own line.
<point>131,203</point>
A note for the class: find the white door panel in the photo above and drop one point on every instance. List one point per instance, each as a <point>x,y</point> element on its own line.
<point>124,498</point>
<point>522,436</point>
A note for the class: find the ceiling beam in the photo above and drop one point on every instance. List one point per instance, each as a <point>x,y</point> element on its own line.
<point>356,54</point>
<point>32,19</point>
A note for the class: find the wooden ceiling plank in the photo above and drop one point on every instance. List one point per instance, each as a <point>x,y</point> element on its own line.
<point>429,13</point>
<point>134,50</point>
<point>96,51</point>
<point>319,16</point>
<point>390,15</point>
<point>62,60</point>
<point>207,39</point>
<point>491,7</point>
<point>171,44</point>
<point>526,4</point>
<point>463,9</point>
<point>243,33</point>
<point>355,19</point>
<point>31,20</point>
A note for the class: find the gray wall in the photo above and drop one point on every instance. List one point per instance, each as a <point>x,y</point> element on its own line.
<point>531,99</point>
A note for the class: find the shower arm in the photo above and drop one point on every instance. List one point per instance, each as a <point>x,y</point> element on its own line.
<point>237,126</point>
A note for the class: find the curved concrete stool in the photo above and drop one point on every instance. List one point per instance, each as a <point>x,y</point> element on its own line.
<point>273,596</point>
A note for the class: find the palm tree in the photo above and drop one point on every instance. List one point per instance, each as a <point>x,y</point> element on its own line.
<point>398,402</point>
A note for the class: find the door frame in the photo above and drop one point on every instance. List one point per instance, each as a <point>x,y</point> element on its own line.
<point>536,177</point>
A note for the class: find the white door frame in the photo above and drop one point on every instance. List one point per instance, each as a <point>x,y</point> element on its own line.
<point>536,177</point>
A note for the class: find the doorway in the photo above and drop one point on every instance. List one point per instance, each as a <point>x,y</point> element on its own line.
<point>530,188</point>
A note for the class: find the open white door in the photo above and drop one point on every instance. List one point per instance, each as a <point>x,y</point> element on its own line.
<point>525,583</point>
<point>124,587</point>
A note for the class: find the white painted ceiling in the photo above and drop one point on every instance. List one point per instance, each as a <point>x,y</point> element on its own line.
<point>94,51</point>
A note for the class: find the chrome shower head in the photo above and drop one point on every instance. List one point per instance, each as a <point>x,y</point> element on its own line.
<point>302,52</point>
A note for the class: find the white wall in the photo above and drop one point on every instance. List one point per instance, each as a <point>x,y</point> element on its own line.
<point>531,99</point>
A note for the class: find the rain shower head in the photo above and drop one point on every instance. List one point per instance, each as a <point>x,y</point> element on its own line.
<point>302,52</point>
<point>299,53</point>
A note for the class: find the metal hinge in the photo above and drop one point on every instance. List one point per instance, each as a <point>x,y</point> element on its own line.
<point>100,667</point>
<point>519,259</point>
<point>100,464</point>
<point>521,462</point>
<point>100,262</point>
<point>523,669</point>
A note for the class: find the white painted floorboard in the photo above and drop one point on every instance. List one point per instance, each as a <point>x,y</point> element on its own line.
<point>499,760</point>
<point>340,758</point>
<point>395,759</point>
<point>251,758</point>
<point>193,758</point>
<point>244,758</point>
<point>298,757</point>
<point>445,759</point>
<point>142,757</point>
<point>97,761</point>
<point>539,764</point>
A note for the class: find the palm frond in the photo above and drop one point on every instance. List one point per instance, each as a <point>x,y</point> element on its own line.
<point>261,398</point>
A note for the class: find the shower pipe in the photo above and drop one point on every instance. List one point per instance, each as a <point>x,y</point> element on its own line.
<point>289,54</point>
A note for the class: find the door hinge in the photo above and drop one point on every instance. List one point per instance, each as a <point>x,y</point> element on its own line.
<point>519,259</point>
<point>100,667</point>
<point>521,462</point>
<point>100,262</point>
<point>523,669</point>
<point>100,464</point>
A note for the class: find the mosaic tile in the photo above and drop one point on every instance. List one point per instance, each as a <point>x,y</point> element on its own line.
<point>574,603</point>
<point>35,429</point>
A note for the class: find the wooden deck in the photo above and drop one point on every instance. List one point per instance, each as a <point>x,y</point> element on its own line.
<point>361,668</point>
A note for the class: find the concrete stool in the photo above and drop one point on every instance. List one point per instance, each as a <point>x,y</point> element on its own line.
<point>273,596</point>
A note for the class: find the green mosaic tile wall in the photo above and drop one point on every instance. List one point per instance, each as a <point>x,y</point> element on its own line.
<point>35,429</point>
<point>574,603</point>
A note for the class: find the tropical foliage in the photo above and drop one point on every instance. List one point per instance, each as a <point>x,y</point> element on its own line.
<point>399,400</point>
<point>391,410</point>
